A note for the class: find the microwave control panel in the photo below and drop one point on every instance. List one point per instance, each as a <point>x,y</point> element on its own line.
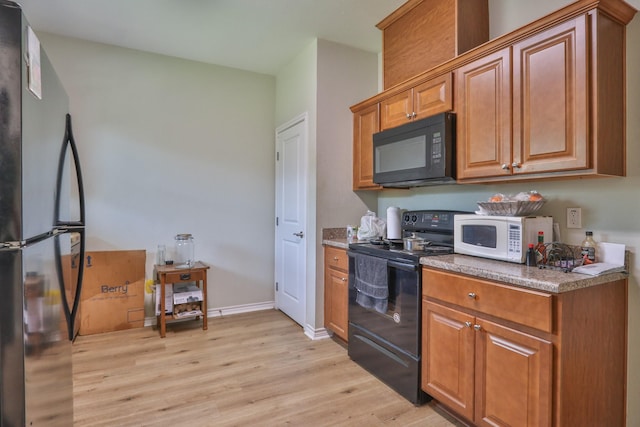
<point>514,240</point>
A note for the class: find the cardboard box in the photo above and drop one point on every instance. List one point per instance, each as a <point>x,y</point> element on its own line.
<point>168,298</point>
<point>112,291</point>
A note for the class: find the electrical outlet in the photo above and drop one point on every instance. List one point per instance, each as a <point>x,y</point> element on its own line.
<point>574,218</point>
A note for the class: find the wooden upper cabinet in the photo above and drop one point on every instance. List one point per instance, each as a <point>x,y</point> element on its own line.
<point>426,99</point>
<point>366,122</point>
<point>544,127</point>
<point>546,101</point>
<point>422,34</point>
<point>549,105</point>
<point>550,100</point>
<point>483,116</point>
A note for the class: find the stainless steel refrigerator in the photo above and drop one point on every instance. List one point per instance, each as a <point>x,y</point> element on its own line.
<point>41,232</point>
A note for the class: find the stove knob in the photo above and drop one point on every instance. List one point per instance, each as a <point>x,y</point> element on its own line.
<point>406,218</point>
<point>414,218</point>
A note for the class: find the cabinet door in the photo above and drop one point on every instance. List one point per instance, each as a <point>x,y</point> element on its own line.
<point>550,94</point>
<point>336,302</point>
<point>396,110</point>
<point>447,362</point>
<point>483,107</point>
<point>433,97</point>
<point>365,124</point>
<point>513,377</point>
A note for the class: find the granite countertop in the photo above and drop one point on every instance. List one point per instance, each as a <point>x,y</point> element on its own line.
<point>547,280</point>
<point>340,243</point>
<point>553,281</point>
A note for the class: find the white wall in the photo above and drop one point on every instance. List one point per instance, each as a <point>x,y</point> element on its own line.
<point>296,93</point>
<point>173,146</point>
<point>609,206</point>
<point>346,76</point>
<point>324,80</point>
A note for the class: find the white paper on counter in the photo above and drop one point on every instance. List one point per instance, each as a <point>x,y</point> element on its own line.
<point>610,260</point>
<point>598,268</point>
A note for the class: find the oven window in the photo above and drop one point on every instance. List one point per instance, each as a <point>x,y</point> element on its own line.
<point>408,153</point>
<point>480,235</point>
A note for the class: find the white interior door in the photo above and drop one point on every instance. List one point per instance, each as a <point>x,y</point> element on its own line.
<point>291,213</point>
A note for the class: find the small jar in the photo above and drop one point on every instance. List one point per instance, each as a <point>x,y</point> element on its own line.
<point>184,250</point>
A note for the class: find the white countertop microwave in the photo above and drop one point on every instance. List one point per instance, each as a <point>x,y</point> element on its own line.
<point>505,238</point>
<point>420,152</point>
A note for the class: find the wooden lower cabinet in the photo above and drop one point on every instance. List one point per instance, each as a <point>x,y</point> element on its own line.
<point>497,375</point>
<point>496,372</point>
<point>336,291</point>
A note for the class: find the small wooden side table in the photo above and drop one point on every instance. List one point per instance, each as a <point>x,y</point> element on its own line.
<point>171,274</point>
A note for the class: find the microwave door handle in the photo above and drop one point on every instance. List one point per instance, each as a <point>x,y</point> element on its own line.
<point>402,265</point>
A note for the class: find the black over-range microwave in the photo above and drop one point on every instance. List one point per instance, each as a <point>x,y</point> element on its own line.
<point>416,154</point>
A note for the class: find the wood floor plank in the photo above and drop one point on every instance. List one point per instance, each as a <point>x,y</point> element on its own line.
<point>247,369</point>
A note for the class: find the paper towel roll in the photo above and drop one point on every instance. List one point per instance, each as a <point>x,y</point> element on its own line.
<point>394,228</point>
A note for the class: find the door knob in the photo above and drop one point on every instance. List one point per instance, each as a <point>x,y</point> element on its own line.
<point>300,234</point>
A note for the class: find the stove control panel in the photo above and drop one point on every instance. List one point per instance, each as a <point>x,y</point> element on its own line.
<point>429,220</point>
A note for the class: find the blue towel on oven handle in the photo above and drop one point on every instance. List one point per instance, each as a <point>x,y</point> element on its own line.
<point>371,282</point>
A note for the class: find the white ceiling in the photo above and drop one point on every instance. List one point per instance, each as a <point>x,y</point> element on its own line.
<point>254,35</point>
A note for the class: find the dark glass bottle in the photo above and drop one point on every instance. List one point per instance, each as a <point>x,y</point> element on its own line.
<point>531,259</point>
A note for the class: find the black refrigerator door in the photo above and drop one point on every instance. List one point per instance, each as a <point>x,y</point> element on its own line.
<point>37,385</point>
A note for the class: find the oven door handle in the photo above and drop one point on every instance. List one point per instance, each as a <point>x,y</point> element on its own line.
<point>402,265</point>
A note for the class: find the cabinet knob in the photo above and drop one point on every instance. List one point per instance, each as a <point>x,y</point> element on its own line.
<point>335,258</point>
<point>467,324</point>
<point>477,327</point>
<point>413,114</point>
<point>515,165</point>
<point>344,279</point>
<point>408,116</point>
<point>472,295</point>
<point>505,166</point>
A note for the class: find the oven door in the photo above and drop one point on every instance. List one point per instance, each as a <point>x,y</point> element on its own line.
<point>400,324</point>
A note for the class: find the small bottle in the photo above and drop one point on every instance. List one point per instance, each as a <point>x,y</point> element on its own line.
<point>161,255</point>
<point>541,249</point>
<point>588,247</point>
<point>531,259</point>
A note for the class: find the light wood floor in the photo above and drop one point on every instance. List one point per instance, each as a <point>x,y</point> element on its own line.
<point>255,369</point>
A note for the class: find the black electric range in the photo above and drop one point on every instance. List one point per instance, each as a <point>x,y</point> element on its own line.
<point>385,294</point>
<point>435,226</point>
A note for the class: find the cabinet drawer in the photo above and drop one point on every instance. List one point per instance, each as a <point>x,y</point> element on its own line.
<point>523,306</point>
<point>336,258</point>
<point>184,276</point>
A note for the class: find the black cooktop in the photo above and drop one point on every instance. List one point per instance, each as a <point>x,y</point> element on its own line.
<point>398,252</point>
<point>435,226</point>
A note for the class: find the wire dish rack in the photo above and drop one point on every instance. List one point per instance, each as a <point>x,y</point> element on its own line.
<point>511,208</point>
<point>559,256</point>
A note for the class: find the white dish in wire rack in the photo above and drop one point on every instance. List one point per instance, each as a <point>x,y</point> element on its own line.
<point>510,208</point>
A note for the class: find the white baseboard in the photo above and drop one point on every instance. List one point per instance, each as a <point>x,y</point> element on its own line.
<point>225,311</point>
<point>316,334</point>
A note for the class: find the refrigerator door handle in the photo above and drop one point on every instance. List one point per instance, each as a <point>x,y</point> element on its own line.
<point>69,142</point>
<point>75,226</point>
